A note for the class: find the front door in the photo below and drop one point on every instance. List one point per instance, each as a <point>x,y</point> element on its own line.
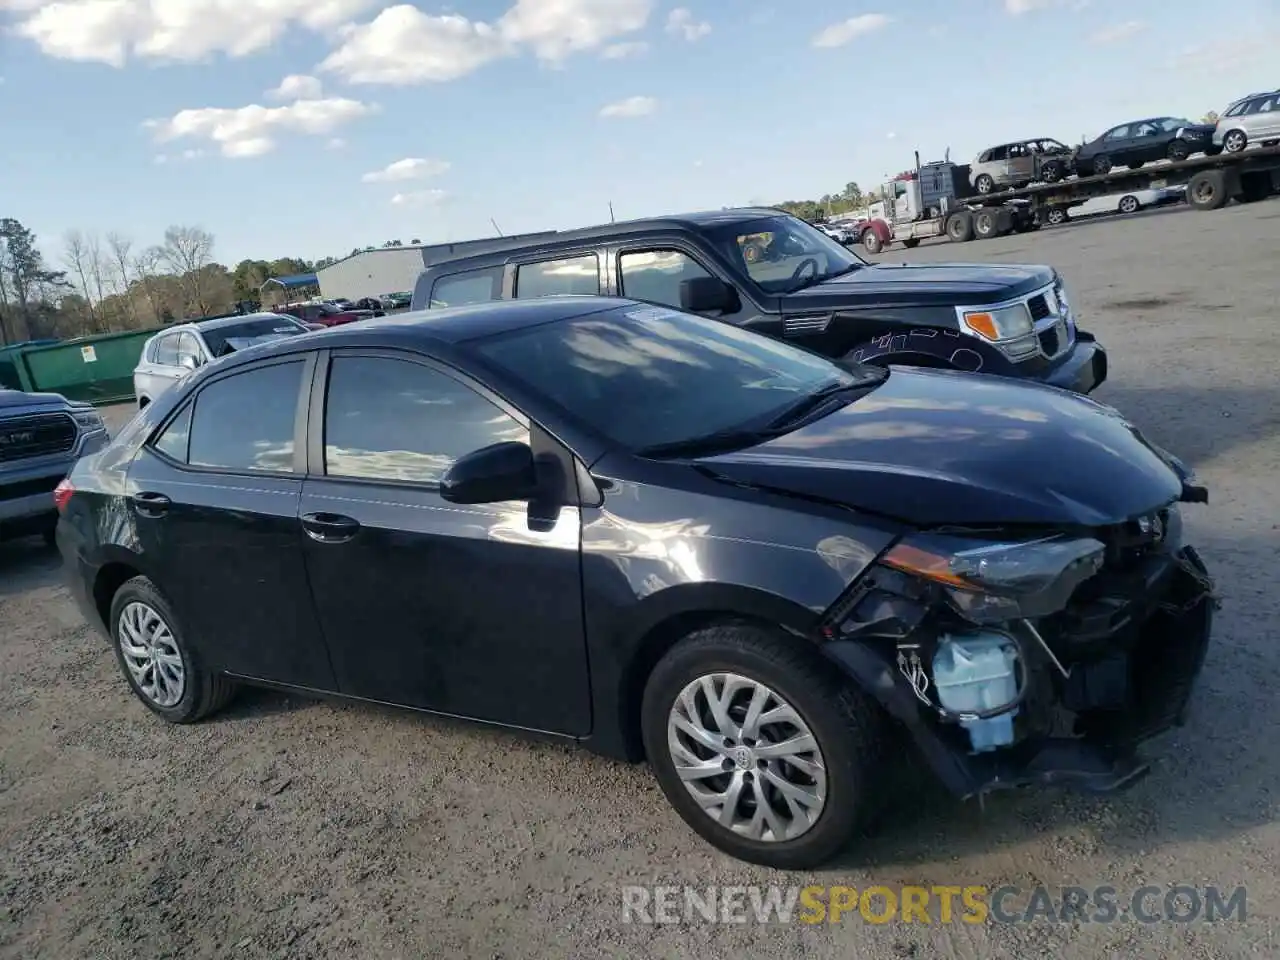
<point>214,498</point>
<point>474,611</point>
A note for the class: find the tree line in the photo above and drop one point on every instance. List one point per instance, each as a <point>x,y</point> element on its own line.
<point>828,205</point>
<point>96,284</point>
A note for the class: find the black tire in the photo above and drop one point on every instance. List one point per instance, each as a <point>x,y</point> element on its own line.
<point>871,241</point>
<point>203,691</point>
<point>985,184</point>
<point>851,733</point>
<point>911,242</point>
<point>1101,165</point>
<point>1255,187</point>
<point>1212,150</point>
<point>1129,204</point>
<point>1052,172</point>
<point>1234,141</point>
<point>960,227</point>
<point>985,224</point>
<point>1178,150</point>
<point>1057,215</point>
<point>1208,190</point>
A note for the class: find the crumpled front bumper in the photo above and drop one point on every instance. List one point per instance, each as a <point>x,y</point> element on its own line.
<point>1160,667</point>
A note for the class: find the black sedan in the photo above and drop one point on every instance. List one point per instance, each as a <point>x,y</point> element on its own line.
<point>1144,141</point>
<point>663,537</point>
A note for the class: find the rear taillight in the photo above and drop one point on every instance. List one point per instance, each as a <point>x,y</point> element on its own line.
<point>62,495</point>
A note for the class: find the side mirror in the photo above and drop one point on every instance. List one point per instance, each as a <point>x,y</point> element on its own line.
<point>704,294</point>
<point>503,471</point>
<point>188,362</point>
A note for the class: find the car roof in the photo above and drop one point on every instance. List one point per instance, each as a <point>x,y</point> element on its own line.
<point>214,323</point>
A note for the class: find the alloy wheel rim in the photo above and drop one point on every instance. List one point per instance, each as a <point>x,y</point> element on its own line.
<point>151,654</point>
<point>747,758</point>
<point>1128,205</point>
<point>1233,143</point>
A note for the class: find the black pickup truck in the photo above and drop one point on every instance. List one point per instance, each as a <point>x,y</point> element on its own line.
<point>774,273</point>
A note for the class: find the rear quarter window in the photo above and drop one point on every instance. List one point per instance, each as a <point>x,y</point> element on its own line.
<point>470,286</point>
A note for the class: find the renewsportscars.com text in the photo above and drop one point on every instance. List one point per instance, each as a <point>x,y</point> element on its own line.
<point>1174,903</point>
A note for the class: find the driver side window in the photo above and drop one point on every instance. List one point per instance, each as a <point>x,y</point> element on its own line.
<point>1119,133</point>
<point>656,275</point>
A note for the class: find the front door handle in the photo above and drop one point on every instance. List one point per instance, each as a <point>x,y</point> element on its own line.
<point>149,504</point>
<point>330,527</point>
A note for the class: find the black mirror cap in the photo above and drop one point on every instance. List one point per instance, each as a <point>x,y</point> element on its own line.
<point>493,474</point>
<point>703,294</point>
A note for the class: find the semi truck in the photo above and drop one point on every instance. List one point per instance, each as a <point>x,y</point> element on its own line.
<point>936,199</point>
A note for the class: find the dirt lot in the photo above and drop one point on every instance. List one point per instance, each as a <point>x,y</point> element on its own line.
<point>287,828</point>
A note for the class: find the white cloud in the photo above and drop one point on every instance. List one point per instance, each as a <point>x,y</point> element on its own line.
<point>336,143</point>
<point>554,29</point>
<point>623,51</point>
<point>410,168</point>
<point>838,34</point>
<point>253,130</point>
<point>192,154</point>
<point>297,86</point>
<point>418,198</point>
<point>402,45</point>
<point>630,107</point>
<point>1118,32</point>
<point>159,159</point>
<point>680,21</point>
<point>891,135</point>
<point>1018,7</point>
<point>115,31</point>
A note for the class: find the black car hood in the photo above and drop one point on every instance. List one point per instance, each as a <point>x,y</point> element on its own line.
<point>941,447</point>
<point>10,399</point>
<point>1204,129</point>
<point>947,284</point>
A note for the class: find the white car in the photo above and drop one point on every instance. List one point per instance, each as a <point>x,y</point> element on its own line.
<point>836,232</point>
<point>172,354</point>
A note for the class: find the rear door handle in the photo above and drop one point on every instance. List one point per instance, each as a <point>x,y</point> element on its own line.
<point>330,527</point>
<point>150,504</point>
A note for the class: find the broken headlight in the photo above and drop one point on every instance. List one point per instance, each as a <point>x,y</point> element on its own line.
<point>990,582</point>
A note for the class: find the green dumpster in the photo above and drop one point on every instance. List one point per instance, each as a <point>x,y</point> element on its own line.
<point>97,369</point>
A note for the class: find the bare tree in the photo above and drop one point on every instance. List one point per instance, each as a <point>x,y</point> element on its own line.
<point>76,256</point>
<point>120,249</point>
<point>99,272</point>
<point>145,265</point>
<point>187,251</point>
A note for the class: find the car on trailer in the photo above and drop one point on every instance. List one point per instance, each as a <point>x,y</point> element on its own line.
<point>1140,142</point>
<point>1017,164</point>
<point>1254,119</point>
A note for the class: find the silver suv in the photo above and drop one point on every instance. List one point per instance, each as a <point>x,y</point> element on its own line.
<point>1251,119</point>
<point>169,356</point>
<point>1020,163</point>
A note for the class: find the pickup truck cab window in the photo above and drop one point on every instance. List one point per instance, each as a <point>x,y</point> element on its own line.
<point>656,275</point>
<point>547,278</point>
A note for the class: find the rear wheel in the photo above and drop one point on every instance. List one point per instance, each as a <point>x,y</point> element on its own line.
<point>1130,204</point>
<point>985,184</point>
<point>1178,150</point>
<point>1102,165</point>
<point>1057,215</point>
<point>960,227</point>
<point>761,746</point>
<point>985,225</point>
<point>1207,190</point>
<point>1052,172</point>
<point>871,241</point>
<point>161,667</point>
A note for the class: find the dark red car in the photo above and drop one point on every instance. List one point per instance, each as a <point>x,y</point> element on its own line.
<point>327,314</point>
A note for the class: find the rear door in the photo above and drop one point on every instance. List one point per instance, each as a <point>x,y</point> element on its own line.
<point>1266,123</point>
<point>213,497</point>
<point>474,611</point>
<point>1021,165</point>
<point>160,373</point>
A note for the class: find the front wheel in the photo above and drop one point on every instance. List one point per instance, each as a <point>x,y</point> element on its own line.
<point>871,242</point>
<point>761,746</point>
<point>1178,150</point>
<point>1102,165</point>
<point>1235,141</point>
<point>1057,215</point>
<point>1130,204</point>
<point>985,184</point>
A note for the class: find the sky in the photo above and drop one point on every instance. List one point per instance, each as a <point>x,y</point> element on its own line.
<point>309,127</point>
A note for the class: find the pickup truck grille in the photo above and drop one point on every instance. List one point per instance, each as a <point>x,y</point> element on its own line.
<point>1039,307</point>
<point>1054,339</point>
<point>38,435</point>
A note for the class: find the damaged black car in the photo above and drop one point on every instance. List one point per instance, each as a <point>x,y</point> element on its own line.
<point>663,537</point>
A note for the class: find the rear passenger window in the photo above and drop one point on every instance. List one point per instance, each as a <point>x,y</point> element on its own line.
<point>167,350</point>
<point>474,286</point>
<point>572,275</point>
<point>655,275</point>
<point>173,441</point>
<point>245,422</point>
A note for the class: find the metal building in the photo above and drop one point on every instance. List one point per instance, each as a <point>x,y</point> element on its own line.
<point>383,270</point>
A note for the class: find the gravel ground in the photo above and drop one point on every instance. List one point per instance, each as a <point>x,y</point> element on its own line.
<point>289,828</point>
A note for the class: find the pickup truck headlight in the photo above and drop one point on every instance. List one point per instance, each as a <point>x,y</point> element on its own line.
<point>998,325</point>
<point>990,582</point>
<point>90,421</point>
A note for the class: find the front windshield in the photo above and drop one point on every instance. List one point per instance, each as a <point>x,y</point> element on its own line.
<point>1173,123</point>
<point>238,336</point>
<point>781,254</point>
<point>644,376</point>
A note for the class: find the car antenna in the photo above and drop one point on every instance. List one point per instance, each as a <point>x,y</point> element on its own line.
<point>495,226</point>
<point>611,217</point>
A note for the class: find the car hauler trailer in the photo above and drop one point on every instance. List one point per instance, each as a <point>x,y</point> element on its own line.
<point>936,199</point>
